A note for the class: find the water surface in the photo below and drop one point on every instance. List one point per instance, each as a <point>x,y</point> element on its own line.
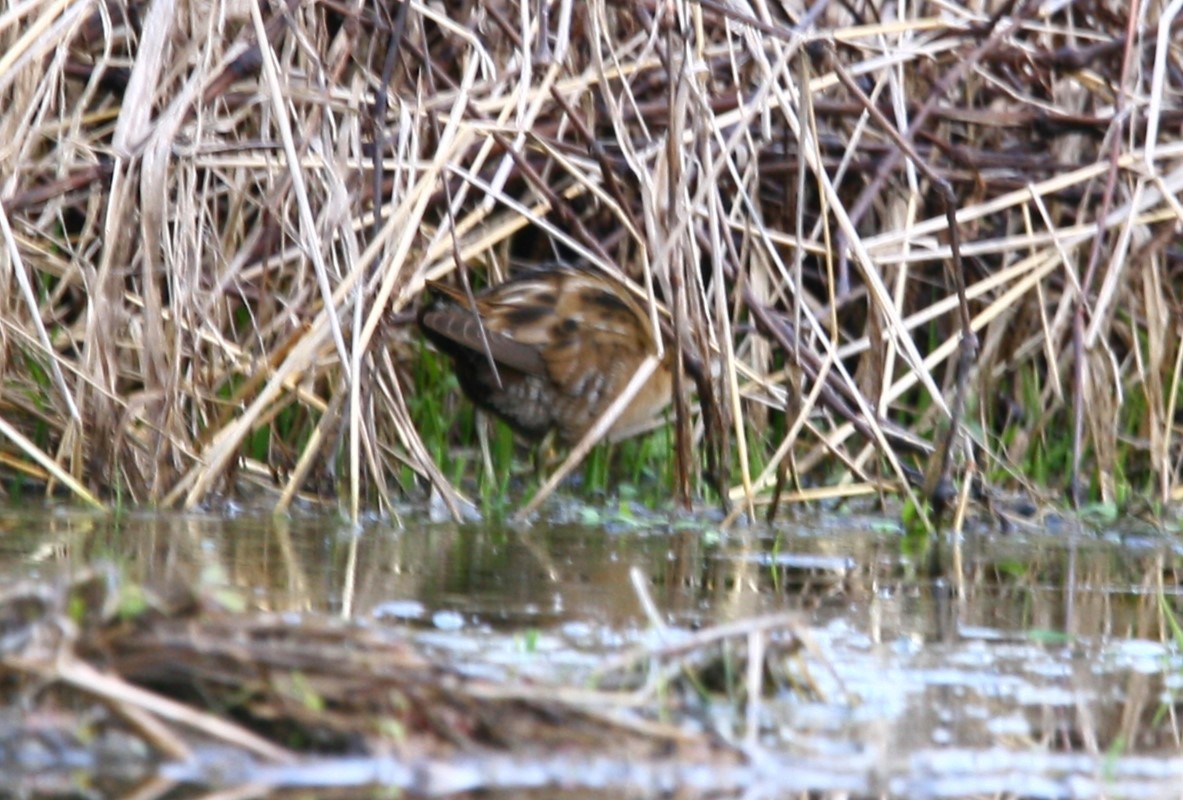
<point>1039,664</point>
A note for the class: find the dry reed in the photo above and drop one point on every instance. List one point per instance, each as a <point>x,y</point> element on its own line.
<point>217,214</point>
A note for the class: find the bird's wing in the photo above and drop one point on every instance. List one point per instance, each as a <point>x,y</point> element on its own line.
<point>460,327</point>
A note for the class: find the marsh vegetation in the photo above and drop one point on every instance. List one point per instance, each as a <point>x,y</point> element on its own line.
<point>219,218</point>
<point>917,257</point>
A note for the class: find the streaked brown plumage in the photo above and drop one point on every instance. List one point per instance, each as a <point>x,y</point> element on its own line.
<point>566,343</point>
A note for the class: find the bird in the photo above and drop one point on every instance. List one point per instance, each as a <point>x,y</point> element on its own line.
<point>550,349</point>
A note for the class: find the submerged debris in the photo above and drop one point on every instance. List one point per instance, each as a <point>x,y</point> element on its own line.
<point>208,696</point>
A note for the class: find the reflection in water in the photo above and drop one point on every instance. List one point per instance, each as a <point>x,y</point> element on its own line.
<point>1029,645</point>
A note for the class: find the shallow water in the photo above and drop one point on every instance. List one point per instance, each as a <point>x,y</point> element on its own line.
<point>1038,664</point>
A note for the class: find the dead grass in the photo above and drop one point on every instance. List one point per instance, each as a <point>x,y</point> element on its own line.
<point>180,675</point>
<point>216,216</point>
